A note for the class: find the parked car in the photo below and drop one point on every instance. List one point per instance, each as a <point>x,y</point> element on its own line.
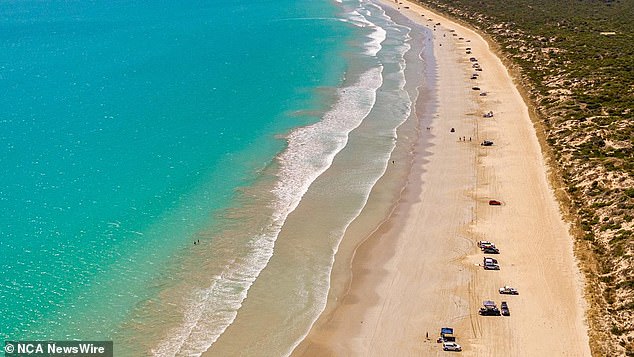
<point>490,264</point>
<point>495,203</point>
<point>489,309</point>
<point>485,243</point>
<point>446,335</point>
<point>489,312</point>
<point>507,290</point>
<point>451,346</point>
<point>487,143</point>
<point>504,307</point>
<point>482,242</point>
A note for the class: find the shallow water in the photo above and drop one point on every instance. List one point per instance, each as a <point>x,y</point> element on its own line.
<point>133,130</point>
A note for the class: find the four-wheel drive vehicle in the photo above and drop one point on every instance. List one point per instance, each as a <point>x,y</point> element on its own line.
<point>505,309</point>
<point>446,334</point>
<point>489,309</point>
<point>489,312</point>
<point>487,143</point>
<point>490,264</point>
<point>451,346</point>
<point>508,290</point>
<point>491,250</point>
<point>485,243</point>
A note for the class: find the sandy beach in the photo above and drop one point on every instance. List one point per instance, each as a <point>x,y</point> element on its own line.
<point>421,270</point>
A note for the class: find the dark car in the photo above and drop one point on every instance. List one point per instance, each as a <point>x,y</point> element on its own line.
<point>494,311</point>
<point>505,309</point>
<point>491,250</point>
<point>495,203</point>
<point>487,143</point>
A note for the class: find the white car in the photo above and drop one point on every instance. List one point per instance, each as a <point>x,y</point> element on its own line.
<point>485,244</point>
<point>508,290</point>
<point>451,346</point>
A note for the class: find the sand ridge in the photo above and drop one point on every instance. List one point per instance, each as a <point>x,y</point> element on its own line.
<point>421,271</point>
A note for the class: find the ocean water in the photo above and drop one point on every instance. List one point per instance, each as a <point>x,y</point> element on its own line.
<point>131,129</point>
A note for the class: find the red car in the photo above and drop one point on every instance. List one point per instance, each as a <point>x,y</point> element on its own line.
<point>494,203</point>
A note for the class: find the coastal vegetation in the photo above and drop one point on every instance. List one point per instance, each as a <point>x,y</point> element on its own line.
<point>575,59</point>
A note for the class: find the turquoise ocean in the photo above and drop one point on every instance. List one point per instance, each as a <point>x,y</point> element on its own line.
<point>177,177</point>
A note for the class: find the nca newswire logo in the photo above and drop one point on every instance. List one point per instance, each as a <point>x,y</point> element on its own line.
<point>58,348</point>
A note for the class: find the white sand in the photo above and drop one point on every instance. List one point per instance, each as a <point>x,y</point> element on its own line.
<point>420,271</point>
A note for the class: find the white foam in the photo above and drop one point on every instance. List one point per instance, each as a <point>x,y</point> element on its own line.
<point>309,153</point>
<point>402,49</point>
<point>376,37</point>
<point>311,149</point>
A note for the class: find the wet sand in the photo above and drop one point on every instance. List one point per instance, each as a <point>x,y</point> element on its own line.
<point>420,270</point>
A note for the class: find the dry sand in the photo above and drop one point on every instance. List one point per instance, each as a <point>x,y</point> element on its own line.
<point>421,270</point>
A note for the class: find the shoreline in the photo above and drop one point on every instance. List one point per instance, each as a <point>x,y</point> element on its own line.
<point>403,284</point>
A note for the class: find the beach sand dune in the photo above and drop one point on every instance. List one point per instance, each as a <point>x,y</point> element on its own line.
<point>421,270</point>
